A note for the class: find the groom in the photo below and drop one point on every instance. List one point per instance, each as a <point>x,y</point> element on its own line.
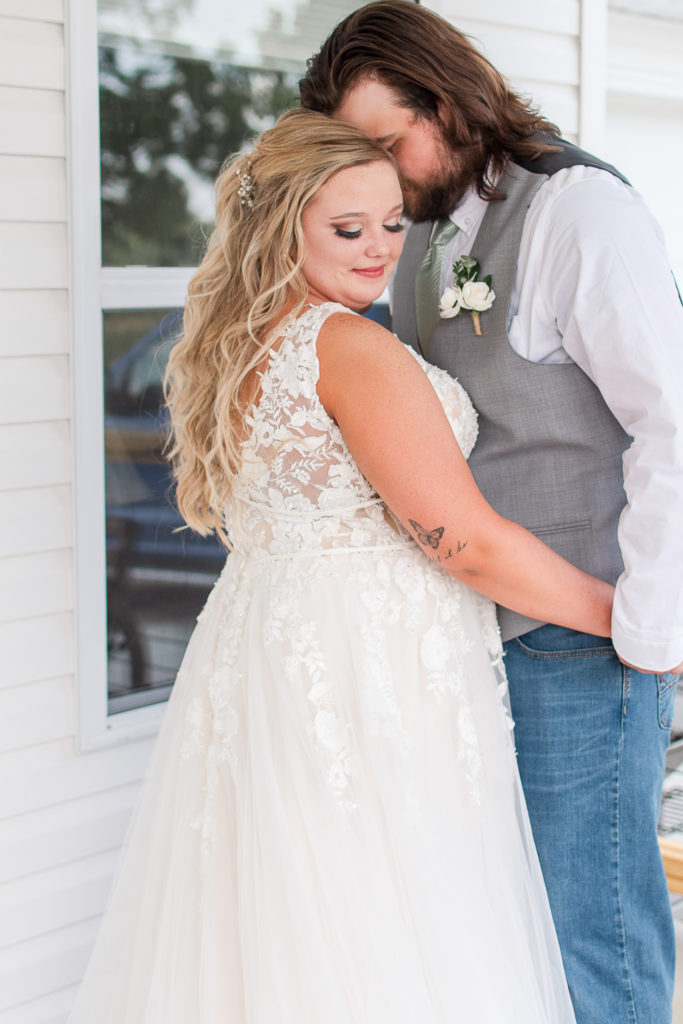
<point>576,377</point>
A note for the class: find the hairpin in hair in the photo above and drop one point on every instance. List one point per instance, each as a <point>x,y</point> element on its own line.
<point>246,189</point>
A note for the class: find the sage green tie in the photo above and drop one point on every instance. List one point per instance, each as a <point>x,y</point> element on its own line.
<point>427,282</point>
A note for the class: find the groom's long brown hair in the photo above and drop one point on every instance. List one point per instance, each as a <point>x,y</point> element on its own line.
<point>434,69</point>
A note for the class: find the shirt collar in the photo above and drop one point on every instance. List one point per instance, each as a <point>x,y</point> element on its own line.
<point>469,212</point>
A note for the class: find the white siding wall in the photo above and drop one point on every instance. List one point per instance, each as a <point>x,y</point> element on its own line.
<point>535,45</point>
<point>645,116</point>
<point>63,814</point>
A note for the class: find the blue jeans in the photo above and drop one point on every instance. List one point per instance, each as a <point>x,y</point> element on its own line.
<point>591,738</point>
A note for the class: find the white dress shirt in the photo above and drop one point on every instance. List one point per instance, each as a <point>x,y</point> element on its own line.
<point>593,285</point>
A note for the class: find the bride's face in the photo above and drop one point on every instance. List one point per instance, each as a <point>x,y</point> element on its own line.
<point>352,235</point>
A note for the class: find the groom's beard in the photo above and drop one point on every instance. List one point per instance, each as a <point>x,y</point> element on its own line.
<point>432,200</point>
<point>438,195</point>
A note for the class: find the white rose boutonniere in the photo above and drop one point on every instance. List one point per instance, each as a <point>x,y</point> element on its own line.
<point>450,303</point>
<point>467,292</point>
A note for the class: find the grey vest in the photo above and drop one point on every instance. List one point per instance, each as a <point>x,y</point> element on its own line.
<point>549,452</point>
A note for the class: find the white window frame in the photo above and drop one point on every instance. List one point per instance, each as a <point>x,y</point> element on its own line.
<point>94,290</point>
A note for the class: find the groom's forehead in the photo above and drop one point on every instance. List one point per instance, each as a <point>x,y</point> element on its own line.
<point>375,108</point>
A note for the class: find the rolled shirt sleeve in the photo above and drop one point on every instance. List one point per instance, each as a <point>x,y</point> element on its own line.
<point>594,273</point>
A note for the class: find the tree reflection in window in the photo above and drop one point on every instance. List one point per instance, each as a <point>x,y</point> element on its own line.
<point>167,124</point>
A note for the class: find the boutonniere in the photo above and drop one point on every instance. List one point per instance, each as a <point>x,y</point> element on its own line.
<point>467,292</point>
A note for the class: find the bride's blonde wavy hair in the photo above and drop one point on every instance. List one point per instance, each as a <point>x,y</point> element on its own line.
<point>248,279</point>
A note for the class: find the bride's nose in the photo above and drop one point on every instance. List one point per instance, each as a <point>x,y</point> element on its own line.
<point>377,243</point>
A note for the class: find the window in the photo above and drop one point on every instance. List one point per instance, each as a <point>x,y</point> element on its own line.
<point>181,84</point>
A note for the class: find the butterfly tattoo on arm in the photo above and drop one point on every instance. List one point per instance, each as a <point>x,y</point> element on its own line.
<point>432,538</point>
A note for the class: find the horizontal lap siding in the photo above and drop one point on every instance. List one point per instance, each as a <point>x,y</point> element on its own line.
<point>35,454</point>
<point>32,54</point>
<point>552,16</point>
<point>35,395</point>
<point>35,648</point>
<point>45,837</point>
<point>36,599</point>
<point>645,56</point>
<point>35,322</point>
<point>33,10</point>
<point>34,189</point>
<point>32,121</point>
<point>36,523</point>
<point>35,584</point>
<point>60,839</point>
<point>33,256</point>
<point>645,116</point>
<point>35,520</point>
<point>536,46</point>
<point>62,816</point>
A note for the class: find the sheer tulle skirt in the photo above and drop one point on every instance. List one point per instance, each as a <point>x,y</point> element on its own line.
<point>332,829</point>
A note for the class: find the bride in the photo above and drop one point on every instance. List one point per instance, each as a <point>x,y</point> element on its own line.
<point>332,830</point>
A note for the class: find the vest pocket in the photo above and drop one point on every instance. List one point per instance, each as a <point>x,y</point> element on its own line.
<point>542,531</point>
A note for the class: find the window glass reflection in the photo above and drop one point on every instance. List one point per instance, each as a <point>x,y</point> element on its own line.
<point>183,83</point>
<point>158,574</point>
<point>167,124</point>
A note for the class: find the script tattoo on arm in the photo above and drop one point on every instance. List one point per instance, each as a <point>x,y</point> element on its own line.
<point>432,539</point>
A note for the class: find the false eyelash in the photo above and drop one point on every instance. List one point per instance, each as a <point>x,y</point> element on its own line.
<point>393,228</point>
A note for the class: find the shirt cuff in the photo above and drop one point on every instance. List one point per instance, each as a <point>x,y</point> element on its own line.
<point>649,655</point>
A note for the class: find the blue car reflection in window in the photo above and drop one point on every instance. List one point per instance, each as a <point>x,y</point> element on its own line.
<point>158,572</point>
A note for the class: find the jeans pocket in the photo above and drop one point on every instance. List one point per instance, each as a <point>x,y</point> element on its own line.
<point>666,696</point>
<point>553,643</point>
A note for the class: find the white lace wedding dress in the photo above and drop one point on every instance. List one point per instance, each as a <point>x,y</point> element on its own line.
<point>332,830</point>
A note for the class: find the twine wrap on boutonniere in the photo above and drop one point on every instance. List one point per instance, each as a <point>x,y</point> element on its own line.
<point>467,292</point>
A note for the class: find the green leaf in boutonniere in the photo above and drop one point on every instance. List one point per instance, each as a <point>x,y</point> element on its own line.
<point>467,292</point>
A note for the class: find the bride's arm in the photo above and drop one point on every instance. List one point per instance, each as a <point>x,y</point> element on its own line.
<point>399,436</point>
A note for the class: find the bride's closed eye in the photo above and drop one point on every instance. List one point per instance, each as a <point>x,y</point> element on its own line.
<point>356,233</point>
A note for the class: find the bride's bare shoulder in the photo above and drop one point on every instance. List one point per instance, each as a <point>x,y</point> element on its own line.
<point>359,358</point>
<point>345,334</point>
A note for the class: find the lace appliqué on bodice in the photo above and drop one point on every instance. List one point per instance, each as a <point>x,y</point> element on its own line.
<point>300,490</point>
